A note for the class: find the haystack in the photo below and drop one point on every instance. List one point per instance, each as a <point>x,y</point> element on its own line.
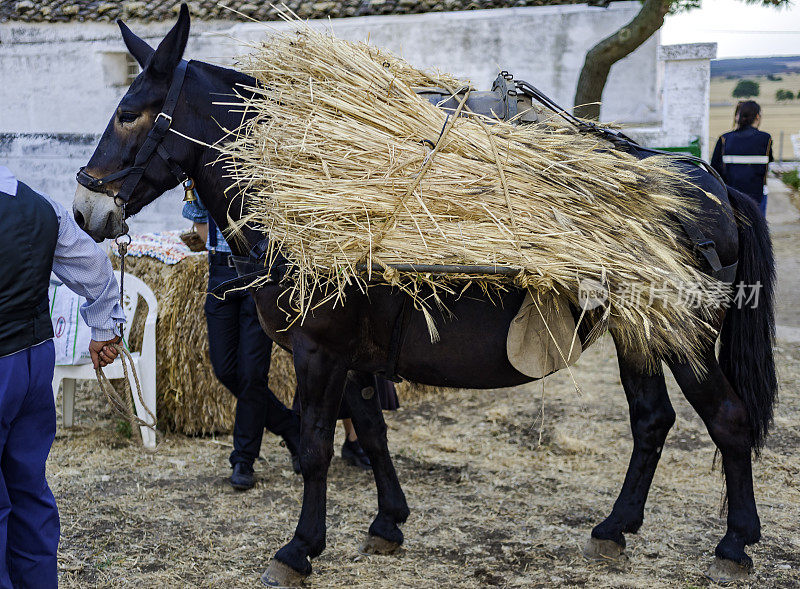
<point>347,168</point>
<point>189,398</point>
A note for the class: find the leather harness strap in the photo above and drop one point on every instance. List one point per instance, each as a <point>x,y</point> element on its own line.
<point>152,146</point>
<point>396,343</point>
<point>707,248</point>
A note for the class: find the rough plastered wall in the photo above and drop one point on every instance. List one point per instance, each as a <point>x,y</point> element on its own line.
<point>544,45</point>
<point>684,72</point>
<point>61,82</point>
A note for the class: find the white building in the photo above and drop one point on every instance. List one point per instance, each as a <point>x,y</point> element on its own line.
<point>60,81</point>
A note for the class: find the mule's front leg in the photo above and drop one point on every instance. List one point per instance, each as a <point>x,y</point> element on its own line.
<point>651,417</point>
<point>320,383</point>
<point>384,537</point>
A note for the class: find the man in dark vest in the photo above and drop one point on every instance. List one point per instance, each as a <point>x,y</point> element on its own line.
<point>38,235</point>
<point>240,355</point>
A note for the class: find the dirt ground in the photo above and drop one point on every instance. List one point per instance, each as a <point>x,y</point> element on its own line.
<point>504,487</point>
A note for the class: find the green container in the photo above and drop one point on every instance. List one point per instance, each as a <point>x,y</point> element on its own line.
<point>693,148</point>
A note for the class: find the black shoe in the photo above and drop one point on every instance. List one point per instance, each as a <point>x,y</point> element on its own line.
<point>242,478</point>
<point>353,453</point>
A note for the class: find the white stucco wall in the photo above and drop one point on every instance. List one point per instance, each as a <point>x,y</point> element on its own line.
<point>57,80</point>
<point>685,72</point>
<point>57,94</point>
<point>543,45</point>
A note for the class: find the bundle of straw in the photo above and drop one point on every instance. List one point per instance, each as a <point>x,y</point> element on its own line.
<point>340,172</point>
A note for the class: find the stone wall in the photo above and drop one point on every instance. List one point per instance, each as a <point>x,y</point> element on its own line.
<point>685,74</point>
<point>48,163</point>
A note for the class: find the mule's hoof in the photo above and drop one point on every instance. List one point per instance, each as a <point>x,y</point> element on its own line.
<point>279,574</point>
<point>377,545</point>
<point>604,550</point>
<point>723,570</point>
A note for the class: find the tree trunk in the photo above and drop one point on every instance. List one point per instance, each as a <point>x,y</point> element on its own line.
<point>610,50</point>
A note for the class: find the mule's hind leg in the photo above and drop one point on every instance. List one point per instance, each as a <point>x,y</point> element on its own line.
<point>728,423</point>
<point>384,535</point>
<point>651,417</point>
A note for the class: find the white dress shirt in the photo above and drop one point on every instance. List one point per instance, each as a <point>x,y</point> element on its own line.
<point>83,266</point>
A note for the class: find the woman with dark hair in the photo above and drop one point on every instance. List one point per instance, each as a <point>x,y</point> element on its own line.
<point>742,156</point>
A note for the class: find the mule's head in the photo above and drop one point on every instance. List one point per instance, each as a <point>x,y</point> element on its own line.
<point>97,206</point>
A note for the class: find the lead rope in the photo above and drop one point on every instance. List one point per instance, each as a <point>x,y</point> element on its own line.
<point>122,402</point>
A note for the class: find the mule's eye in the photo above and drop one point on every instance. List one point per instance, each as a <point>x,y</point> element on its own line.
<point>128,117</point>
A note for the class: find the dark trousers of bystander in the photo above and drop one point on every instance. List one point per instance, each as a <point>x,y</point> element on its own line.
<point>240,355</point>
<point>29,525</point>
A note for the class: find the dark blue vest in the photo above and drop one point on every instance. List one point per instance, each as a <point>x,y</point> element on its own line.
<point>747,177</point>
<point>28,236</point>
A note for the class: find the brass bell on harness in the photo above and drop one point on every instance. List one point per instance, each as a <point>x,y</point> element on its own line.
<point>189,189</point>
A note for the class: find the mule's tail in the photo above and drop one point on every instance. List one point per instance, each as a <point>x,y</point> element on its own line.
<point>748,331</point>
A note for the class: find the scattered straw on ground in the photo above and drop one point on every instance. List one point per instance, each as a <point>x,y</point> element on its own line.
<point>491,506</point>
<point>345,165</point>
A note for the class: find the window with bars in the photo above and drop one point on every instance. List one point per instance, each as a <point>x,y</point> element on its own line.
<point>119,69</point>
<point>132,69</point>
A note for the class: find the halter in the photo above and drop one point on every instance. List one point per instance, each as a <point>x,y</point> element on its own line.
<point>152,146</point>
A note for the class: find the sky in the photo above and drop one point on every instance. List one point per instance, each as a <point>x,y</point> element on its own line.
<point>739,29</point>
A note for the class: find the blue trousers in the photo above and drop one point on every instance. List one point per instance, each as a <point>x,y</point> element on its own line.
<point>29,525</point>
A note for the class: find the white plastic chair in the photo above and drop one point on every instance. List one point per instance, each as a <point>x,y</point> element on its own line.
<point>144,362</point>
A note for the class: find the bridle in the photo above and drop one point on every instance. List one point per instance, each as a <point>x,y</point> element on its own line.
<point>133,174</point>
<point>153,145</point>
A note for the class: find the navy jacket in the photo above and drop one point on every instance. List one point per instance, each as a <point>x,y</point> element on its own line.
<point>741,157</point>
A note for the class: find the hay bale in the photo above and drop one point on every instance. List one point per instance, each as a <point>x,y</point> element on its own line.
<point>189,398</point>
<point>340,173</point>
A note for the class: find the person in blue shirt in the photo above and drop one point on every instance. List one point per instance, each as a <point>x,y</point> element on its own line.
<point>37,236</point>
<point>240,355</point>
<point>253,345</point>
<point>742,156</point>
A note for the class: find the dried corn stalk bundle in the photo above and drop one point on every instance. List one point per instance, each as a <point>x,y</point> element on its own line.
<point>345,165</point>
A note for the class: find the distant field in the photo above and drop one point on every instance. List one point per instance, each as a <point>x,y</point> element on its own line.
<point>776,116</point>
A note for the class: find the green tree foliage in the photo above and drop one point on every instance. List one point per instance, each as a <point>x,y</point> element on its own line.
<point>782,95</point>
<point>746,89</point>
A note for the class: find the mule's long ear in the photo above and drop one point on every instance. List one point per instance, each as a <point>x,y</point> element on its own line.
<point>140,50</point>
<point>170,51</point>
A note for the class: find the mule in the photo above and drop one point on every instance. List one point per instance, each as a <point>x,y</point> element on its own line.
<point>734,396</point>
